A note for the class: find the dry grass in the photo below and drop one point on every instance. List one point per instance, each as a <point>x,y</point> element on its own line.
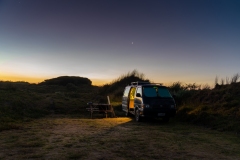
<point>115,138</point>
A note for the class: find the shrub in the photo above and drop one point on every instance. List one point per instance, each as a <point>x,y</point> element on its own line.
<point>115,88</point>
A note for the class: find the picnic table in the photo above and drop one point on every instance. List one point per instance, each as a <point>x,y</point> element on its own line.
<point>100,108</point>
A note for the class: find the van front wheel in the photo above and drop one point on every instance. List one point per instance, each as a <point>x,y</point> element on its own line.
<point>137,116</point>
<point>127,114</point>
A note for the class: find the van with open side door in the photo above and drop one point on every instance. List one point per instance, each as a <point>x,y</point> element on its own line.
<point>144,99</point>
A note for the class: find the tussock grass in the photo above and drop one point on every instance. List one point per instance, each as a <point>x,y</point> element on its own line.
<point>217,108</point>
<point>115,88</point>
<point>233,79</point>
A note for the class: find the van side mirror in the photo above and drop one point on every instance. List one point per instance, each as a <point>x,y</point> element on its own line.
<point>138,95</point>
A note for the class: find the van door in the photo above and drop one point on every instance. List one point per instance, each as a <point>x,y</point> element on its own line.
<point>131,98</point>
<point>125,99</point>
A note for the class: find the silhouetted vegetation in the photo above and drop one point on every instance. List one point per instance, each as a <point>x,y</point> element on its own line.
<point>116,87</point>
<point>227,80</point>
<point>21,101</point>
<point>66,80</point>
<point>217,107</point>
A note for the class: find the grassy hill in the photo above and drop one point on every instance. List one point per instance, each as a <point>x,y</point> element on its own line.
<point>217,108</point>
<point>21,101</point>
<point>43,116</point>
<point>67,80</point>
<point>116,87</point>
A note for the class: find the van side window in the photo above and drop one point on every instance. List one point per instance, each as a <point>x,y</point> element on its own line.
<point>139,90</point>
<point>126,91</point>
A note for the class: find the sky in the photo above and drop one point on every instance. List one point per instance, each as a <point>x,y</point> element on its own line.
<point>191,41</point>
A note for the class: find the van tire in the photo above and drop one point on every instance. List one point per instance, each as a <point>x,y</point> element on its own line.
<point>138,118</point>
<point>127,114</point>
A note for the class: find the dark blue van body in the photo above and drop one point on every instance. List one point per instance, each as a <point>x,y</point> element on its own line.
<point>148,100</point>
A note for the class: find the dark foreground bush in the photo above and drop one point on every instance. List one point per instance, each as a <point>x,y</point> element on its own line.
<point>26,103</point>
<point>218,108</point>
<point>18,106</point>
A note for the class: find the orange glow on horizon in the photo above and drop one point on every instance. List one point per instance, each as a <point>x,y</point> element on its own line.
<point>95,81</point>
<point>15,78</point>
<point>99,82</point>
<point>21,78</point>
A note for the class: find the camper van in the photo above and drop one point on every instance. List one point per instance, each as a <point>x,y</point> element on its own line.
<point>144,99</point>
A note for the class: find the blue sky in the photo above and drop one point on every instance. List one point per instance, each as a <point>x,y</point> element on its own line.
<point>167,40</point>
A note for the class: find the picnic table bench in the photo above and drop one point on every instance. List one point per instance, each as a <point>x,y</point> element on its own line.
<point>100,108</point>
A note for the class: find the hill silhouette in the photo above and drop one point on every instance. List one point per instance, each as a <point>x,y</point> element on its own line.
<point>65,80</point>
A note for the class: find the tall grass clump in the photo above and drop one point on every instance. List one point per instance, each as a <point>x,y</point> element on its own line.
<point>216,81</point>
<point>205,87</point>
<point>227,80</point>
<point>217,108</point>
<point>235,78</point>
<point>115,88</point>
<point>182,92</point>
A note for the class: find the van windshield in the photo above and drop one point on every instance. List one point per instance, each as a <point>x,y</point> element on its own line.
<point>155,91</point>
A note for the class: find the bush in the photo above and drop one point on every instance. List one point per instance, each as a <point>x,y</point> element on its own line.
<point>65,80</point>
<point>116,87</point>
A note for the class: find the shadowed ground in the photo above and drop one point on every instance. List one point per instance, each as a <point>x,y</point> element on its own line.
<point>115,138</point>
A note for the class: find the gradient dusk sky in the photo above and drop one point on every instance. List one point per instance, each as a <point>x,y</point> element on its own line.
<point>191,41</point>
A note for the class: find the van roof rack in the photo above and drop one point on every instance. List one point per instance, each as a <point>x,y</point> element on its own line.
<point>158,84</point>
<point>141,83</point>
